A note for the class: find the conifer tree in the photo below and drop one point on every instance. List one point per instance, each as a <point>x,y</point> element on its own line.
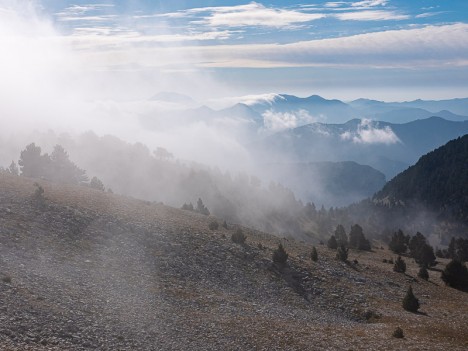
<point>332,244</point>
<point>398,243</point>
<point>279,255</point>
<point>314,254</point>
<point>423,273</point>
<point>399,265</point>
<point>201,208</point>
<point>455,275</point>
<point>410,302</point>
<point>341,236</point>
<point>342,253</point>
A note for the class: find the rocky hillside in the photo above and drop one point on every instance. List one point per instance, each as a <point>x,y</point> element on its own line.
<point>87,270</point>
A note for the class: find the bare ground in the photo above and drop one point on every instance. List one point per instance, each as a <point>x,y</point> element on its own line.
<point>91,270</point>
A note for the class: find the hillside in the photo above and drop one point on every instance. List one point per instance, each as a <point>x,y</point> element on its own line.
<point>438,181</point>
<point>92,270</point>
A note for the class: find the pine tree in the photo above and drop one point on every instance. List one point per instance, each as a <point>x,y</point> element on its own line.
<point>97,184</point>
<point>423,273</point>
<point>279,255</point>
<point>62,170</point>
<point>410,302</point>
<point>341,236</point>
<point>455,275</point>
<point>314,254</point>
<point>357,240</point>
<point>238,237</point>
<point>332,244</point>
<point>342,253</point>
<point>32,163</point>
<point>201,208</point>
<point>13,169</point>
<point>398,243</point>
<point>399,266</point>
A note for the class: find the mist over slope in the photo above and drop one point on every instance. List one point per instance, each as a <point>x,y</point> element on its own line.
<point>90,270</point>
<point>332,184</point>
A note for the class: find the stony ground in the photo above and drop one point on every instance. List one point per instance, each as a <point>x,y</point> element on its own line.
<point>95,271</point>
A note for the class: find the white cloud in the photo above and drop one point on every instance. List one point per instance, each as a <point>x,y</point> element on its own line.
<point>97,18</point>
<point>429,46</point>
<point>253,14</point>
<point>368,132</point>
<point>260,98</point>
<point>260,16</point>
<point>276,121</point>
<point>369,3</point>
<point>334,4</point>
<point>76,10</point>
<point>428,14</point>
<point>371,15</point>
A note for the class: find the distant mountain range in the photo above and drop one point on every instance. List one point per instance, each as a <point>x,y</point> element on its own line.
<point>287,135</point>
<point>336,111</point>
<point>388,147</point>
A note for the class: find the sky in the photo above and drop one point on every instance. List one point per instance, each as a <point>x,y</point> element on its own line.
<point>383,49</point>
<point>73,65</point>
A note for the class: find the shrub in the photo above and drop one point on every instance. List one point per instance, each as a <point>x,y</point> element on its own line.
<point>410,302</point>
<point>6,279</point>
<point>38,196</point>
<point>238,237</point>
<point>314,254</point>
<point>213,225</point>
<point>279,255</point>
<point>97,184</point>
<point>455,275</point>
<point>399,266</point>
<point>187,207</point>
<point>342,253</point>
<point>423,273</point>
<point>201,208</point>
<point>398,333</point>
<point>332,243</point>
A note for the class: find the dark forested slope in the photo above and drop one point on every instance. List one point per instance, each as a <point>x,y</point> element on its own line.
<point>439,181</point>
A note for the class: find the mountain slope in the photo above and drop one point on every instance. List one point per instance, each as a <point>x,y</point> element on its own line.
<point>439,181</point>
<point>91,270</point>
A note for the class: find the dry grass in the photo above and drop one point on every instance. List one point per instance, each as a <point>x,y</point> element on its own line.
<point>371,285</point>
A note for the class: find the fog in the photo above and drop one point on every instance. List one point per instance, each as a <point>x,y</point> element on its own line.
<point>50,82</point>
<point>110,101</point>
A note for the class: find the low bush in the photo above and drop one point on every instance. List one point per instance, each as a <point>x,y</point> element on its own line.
<point>238,237</point>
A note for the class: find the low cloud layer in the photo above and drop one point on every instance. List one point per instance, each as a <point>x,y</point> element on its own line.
<point>277,121</point>
<point>369,132</point>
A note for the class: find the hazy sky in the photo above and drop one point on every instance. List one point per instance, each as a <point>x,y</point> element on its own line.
<point>390,50</point>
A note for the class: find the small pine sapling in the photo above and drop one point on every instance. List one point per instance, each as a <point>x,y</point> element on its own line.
<point>314,254</point>
<point>410,302</point>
